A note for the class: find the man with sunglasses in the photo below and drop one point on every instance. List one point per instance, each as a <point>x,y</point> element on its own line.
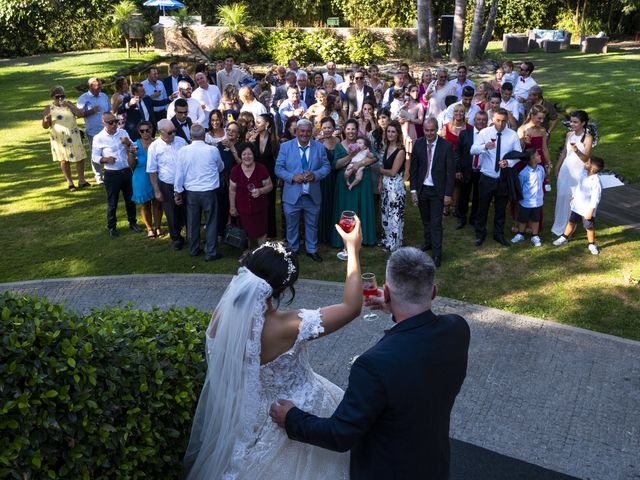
<point>181,120</point>
<point>524,84</point>
<point>94,102</point>
<point>162,158</point>
<point>110,149</point>
<point>356,95</point>
<point>196,113</point>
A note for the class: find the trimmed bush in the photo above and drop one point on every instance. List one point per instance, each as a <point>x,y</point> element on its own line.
<point>285,43</point>
<point>365,47</point>
<point>326,45</point>
<point>109,395</point>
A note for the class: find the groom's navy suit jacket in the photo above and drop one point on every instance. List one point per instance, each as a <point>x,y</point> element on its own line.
<point>395,413</point>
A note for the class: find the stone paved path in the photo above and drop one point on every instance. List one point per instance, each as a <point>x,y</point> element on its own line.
<point>559,397</point>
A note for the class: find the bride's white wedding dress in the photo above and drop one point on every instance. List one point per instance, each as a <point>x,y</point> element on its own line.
<point>256,448</point>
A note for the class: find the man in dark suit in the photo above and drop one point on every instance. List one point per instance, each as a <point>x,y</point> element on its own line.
<point>431,178</point>
<point>468,170</point>
<point>175,75</point>
<point>356,95</point>
<point>138,107</point>
<point>181,120</point>
<point>395,413</point>
<point>307,94</point>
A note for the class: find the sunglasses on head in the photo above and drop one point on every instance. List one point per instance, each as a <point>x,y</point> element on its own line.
<point>58,97</point>
<point>111,122</point>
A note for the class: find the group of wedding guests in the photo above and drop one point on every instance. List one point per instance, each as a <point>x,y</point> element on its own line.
<point>328,143</point>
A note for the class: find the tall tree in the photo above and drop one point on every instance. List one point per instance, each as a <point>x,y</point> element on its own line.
<point>423,26</point>
<point>476,31</point>
<point>488,32</point>
<point>433,33</point>
<point>457,42</point>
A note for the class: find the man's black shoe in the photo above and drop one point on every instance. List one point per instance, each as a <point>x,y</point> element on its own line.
<point>461,223</point>
<point>178,245</point>
<point>198,252</point>
<point>212,258</point>
<point>314,256</point>
<point>136,228</point>
<point>480,240</point>
<point>113,232</point>
<point>501,240</point>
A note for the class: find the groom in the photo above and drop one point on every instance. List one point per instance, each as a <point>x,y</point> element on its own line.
<point>395,413</point>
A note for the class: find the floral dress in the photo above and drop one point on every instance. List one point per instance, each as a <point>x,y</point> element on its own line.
<point>392,197</point>
<point>66,142</point>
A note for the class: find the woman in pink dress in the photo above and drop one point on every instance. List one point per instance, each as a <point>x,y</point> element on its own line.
<point>408,118</point>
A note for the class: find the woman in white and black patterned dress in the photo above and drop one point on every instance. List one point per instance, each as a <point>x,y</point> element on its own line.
<point>393,190</point>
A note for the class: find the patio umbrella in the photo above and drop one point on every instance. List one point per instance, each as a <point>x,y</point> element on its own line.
<point>164,4</point>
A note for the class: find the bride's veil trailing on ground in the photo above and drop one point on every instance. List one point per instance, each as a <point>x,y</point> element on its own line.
<point>229,399</point>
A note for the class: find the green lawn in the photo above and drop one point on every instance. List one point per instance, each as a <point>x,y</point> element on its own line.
<point>48,232</point>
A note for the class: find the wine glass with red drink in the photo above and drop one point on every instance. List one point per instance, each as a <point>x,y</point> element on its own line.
<point>369,289</point>
<point>347,223</point>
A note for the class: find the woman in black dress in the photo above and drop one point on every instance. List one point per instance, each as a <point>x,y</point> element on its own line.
<point>267,146</point>
<point>227,149</point>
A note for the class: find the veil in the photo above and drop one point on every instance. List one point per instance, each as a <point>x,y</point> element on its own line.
<point>229,400</point>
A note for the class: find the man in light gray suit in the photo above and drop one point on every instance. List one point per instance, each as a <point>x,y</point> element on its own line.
<point>301,164</point>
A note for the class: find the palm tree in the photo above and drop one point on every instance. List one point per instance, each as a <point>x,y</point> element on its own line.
<point>476,31</point>
<point>124,20</point>
<point>457,42</point>
<point>236,19</point>
<point>183,22</point>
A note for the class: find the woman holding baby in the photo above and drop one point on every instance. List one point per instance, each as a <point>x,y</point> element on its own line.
<point>353,184</point>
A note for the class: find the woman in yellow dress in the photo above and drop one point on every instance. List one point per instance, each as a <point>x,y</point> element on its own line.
<point>66,142</point>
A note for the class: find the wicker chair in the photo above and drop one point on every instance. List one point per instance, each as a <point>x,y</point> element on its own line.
<point>594,44</point>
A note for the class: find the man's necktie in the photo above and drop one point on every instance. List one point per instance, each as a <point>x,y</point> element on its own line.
<point>499,137</point>
<point>303,159</point>
<point>476,161</point>
<point>429,154</point>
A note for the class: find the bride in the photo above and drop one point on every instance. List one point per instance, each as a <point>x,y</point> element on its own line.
<point>256,354</point>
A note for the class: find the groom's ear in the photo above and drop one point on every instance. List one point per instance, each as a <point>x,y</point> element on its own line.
<point>434,292</point>
<point>386,293</point>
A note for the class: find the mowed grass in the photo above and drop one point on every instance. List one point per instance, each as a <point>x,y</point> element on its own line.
<point>48,232</point>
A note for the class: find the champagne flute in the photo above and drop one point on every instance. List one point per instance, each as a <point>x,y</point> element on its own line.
<point>369,289</point>
<point>347,223</point>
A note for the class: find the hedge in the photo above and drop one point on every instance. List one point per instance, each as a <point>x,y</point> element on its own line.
<point>103,396</point>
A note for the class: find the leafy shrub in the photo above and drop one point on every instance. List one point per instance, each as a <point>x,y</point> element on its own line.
<point>286,43</point>
<point>405,44</point>
<point>325,45</point>
<point>110,395</point>
<point>365,47</point>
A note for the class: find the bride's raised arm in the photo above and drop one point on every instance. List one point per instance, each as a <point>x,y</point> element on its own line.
<point>334,317</point>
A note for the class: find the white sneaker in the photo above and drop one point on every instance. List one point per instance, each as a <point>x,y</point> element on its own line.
<point>517,238</point>
<point>560,241</point>
<point>535,241</point>
<point>593,249</point>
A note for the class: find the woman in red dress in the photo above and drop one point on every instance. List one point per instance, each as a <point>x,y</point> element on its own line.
<point>450,133</point>
<point>533,135</point>
<point>249,187</point>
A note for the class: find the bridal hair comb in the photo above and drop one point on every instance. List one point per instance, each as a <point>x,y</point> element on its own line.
<point>287,254</point>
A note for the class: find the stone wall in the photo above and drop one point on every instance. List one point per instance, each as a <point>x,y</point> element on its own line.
<point>168,38</point>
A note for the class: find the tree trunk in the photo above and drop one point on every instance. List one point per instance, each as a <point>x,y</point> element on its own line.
<point>433,34</point>
<point>126,42</point>
<point>488,33</point>
<point>457,42</point>
<point>476,31</point>
<point>188,38</point>
<point>423,26</point>
<point>584,11</point>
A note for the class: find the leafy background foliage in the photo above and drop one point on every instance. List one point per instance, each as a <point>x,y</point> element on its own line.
<point>109,395</point>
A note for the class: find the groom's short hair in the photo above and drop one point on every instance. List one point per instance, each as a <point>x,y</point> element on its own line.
<point>410,275</point>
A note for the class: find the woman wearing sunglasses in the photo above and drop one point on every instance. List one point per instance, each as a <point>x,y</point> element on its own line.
<point>66,142</point>
<point>143,193</point>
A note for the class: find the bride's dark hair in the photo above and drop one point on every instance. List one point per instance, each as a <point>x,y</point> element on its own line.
<point>277,265</point>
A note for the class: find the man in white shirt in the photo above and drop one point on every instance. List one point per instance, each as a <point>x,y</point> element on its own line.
<point>162,158</point>
<point>491,144</point>
<point>292,106</point>
<point>93,103</point>
<point>196,113</point>
<point>154,89</point>
<point>510,105</point>
<point>523,85</point>
<point>110,148</point>
<point>398,83</point>
<point>207,94</point>
<point>331,72</point>
<point>197,175</point>
<point>461,81</point>
<point>250,104</point>
<point>230,74</point>
<point>470,108</point>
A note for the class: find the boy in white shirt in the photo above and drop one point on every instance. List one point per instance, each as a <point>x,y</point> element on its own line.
<point>531,179</point>
<point>586,197</point>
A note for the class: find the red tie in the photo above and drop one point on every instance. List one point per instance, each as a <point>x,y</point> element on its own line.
<point>476,159</point>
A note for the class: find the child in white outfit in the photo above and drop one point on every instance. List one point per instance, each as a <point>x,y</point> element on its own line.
<point>531,180</point>
<point>584,203</point>
<point>353,169</point>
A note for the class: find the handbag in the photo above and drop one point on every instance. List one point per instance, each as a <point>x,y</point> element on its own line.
<point>235,236</point>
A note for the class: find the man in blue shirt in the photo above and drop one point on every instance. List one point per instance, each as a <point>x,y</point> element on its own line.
<point>94,103</point>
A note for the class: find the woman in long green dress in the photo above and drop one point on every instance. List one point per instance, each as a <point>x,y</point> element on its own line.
<point>360,197</point>
<point>66,142</point>
<point>334,150</point>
